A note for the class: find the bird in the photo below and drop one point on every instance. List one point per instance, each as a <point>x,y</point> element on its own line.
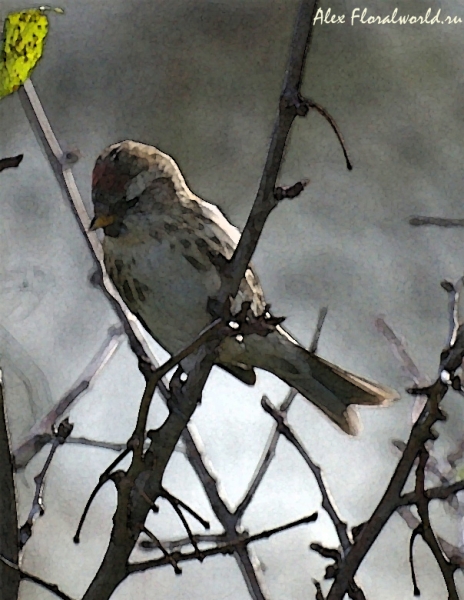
<point>165,250</point>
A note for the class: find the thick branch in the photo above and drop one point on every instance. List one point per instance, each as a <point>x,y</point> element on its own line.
<point>9,548</point>
<point>185,396</point>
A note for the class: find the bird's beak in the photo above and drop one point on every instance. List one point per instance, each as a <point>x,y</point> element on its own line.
<point>101,221</point>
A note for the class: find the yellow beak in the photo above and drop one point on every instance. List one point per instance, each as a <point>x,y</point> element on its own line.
<point>101,221</point>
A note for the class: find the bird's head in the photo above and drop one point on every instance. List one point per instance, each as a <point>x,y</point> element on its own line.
<point>122,173</point>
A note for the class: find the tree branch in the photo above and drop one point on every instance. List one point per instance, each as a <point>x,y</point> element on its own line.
<point>61,166</point>
<point>25,576</point>
<point>10,162</point>
<point>59,438</point>
<point>132,509</point>
<point>327,504</point>
<point>227,548</point>
<point>422,431</point>
<point>41,433</point>
<point>9,546</point>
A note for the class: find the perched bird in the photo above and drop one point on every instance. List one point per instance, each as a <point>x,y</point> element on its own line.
<point>164,248</point>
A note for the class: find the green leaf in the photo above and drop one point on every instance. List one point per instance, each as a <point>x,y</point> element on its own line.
<point>24,35</point>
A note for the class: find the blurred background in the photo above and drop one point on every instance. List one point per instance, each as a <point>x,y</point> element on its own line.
<point>201,80</point>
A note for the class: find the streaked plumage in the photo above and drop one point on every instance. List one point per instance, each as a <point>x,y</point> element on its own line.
<point>164,249</point>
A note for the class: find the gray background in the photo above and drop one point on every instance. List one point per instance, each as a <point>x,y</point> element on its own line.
<point>200,79</point>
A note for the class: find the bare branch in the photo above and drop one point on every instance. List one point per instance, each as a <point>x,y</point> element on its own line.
<point>25,576</point>
<point>322,111</point>
<point>179,503</point>
<point>454,292</point>
<point>200,538</point>
<point>291,105</point>
<point>269,451</point>
<point>168,557</point>
<point>9,547</point>
<point>421,432</point>
<point>327,504</point>
<point>40,434</point>
<point>104,478</point>
<point>441,492</point>
<point>10,162</point>
<point>59,438</point>
<point>415,533</point>
<point>138,437</point>
<point>248,565</point>
<point>454,554</point>
<point>399,351</point>
<point>438,221</point>
<point>83,441</point>
<point>228,548</point>
<point>425,529</point>
<point>61,167</point>
<point>317,333</point>
<point>265,461</point>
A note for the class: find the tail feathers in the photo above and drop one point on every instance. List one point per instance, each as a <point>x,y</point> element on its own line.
<point>332,389</point>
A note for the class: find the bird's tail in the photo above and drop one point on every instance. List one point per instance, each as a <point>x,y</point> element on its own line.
<point>332,389</point>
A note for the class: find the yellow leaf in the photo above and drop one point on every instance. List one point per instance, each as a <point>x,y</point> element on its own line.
<point>24,35</point>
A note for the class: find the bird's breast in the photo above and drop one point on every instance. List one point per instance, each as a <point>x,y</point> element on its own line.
<point>165,280</point>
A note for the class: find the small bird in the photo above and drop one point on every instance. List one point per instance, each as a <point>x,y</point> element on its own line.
<point>165,249</point>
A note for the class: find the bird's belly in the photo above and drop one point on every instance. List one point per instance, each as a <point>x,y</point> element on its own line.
<point>164,289</point>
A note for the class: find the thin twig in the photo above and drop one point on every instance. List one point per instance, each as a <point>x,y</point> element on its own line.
<point>11,162</point>
<point>37,508</point>
<point>322,111</point>
<point>270,448</point>
<point>455,555</point>
<point>265,461</point>
<point>62,170</point>
<point>327,504</point>
<point>178,502</point>
<point>40,434</point>
<point>421,432</point>
<point>104,478</point>
<point>408,365</point>
<point>317,332</point>
<point>200,538</point>
<point>168,557</point>
<point>247,562</point>
<point>399,351</point>
<point>454,292</point>
<point>441,492</point>
<point>438,221</point>
<point>138,437</point>
<point>417,531</point>
<point>447,569</point>
<point>291,105</point>
<point>227,548</point>
<point>83,441</point>
<point>25,576</point>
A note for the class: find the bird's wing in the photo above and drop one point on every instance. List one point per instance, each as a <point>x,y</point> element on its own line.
<point>219,240</point>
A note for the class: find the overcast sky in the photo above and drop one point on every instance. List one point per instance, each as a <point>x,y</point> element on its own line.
<point>201,79</point>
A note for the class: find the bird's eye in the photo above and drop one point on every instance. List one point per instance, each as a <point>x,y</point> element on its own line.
<point>114,154</point>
